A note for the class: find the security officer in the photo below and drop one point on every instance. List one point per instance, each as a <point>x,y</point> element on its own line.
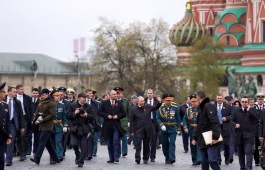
<point>60,124</point>
<point>189,124</point>
<point>169,121</point>
<point>81,116</point>
<point>259,106</point>
<point>5,132</point>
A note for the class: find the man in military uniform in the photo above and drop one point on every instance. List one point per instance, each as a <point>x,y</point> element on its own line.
<point>125,120</point>
<point>169,120</point>
<point>5,132</point>
<point>189,124</point>
<point>44,116</point>
<point>60,125</point>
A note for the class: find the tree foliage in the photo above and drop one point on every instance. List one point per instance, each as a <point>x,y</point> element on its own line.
<point>136,57</point>
<point>207,71</point>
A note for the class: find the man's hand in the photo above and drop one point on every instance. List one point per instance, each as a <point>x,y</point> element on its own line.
<point>261,138</point>
<point>22,130</point>
<point>224,119</point>
<point>115,117</point>
<point>8,141</point>
<point>186,130</point>
<point>77,111</point>
<point>109,117</point>
<point>64,129</point>
<point>193,142</point>
<point>214,142</point>
<point>158,98</point>
<point>163,128</point>
<point>132,134</point>
<point>237,126</point>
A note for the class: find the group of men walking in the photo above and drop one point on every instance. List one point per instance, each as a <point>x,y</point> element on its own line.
<point>58,122</point>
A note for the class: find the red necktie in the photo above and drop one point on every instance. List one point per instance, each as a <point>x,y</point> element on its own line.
<point>150,102</point>
<point>112,103</point>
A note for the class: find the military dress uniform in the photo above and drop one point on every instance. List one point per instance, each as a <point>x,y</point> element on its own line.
<point>190,123</point>
<point>5,132</point>
<point>59,123</point>
<point>169,120</point>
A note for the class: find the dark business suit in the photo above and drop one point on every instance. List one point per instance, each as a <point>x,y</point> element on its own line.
<point>142,127</point>
<point>156,136</point>
<point>17,122</point>
<point>245,136</point>
<point>226,131</point>
<point>28,118</point>
<point>262,131</point>
<point>34,106</point>
<point>112,130</point>
<point>185,136</point>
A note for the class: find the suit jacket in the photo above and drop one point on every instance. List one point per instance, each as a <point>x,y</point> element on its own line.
<point>110,124</point>
<point>262,124</point>
<point>140,120</point>
<point>246,132</point>
<point>5,131</point>
<point>34,106</point>
<point>227,113</point>
<point>155,102</point>
<point>18,108</point>
<point>28,110</point>
<point>207,120</point>
<point>182,112</point>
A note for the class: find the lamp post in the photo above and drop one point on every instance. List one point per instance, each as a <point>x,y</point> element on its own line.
<point>78,72</point>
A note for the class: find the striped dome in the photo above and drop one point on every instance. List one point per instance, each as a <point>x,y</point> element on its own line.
<point>187,31</point>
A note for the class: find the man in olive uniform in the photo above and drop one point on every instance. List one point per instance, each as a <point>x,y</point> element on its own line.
<point>125,120</point>
<point>5,132</point>
<point>60,125</point>
<point>44,116</point>
<point>169,120</point>
<point>189,124</point>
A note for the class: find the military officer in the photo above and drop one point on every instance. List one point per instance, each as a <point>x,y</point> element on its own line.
<point>189,124</point>
<point>60,124</point>
<point>169,120</point>
<point>5,132</point>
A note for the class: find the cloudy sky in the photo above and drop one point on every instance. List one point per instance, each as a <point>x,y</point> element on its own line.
<point>50,26</point>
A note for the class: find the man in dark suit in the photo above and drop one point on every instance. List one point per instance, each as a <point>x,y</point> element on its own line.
<point>262,136</point>
<point>18,126</point>
<point>224,116</point>
<point>112,111</point>
<point>152,101</point>
<point>207,121</point>
<point>141,127</point>
<point>28,116</point>
<point>34,105</point>
<point>245,119</point>
<point>185,136</point>
<point>5,132</point>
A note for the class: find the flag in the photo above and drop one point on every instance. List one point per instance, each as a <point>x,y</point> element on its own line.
<point>82,44</point>
<point>76,45</point>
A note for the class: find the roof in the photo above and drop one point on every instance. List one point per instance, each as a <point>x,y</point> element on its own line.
<point>250,69</point>
<point>28,63</point>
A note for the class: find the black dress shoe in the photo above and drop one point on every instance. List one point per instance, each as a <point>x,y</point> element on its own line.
<point>172,161</point>
<point>231,160</point>
<point>80,164</point>
<point>35,160</point>
<point>110,161</point>
<point>89,158</point>
<point>257,164</point>
<point>145,162</point>
<point>137,161</point>
<point>94,154</point>
<point>199,163</point>
<point>124,154</point>
<point>152,160</point>
<point>9,164</point>
<point>167,162</point>
<point>194,164</point>
<point>52,162</point>
<point>226,162</point>
<point>116,160</point>
<point>23,158</point>
<point>28,153</point>
<point>185,151</point>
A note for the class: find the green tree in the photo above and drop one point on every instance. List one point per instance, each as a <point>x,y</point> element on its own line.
<point>206,66</point>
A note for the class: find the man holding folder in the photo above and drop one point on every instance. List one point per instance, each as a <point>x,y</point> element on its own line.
<point>207,121</point>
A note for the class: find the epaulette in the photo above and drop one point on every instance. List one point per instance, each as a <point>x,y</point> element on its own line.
<point>256,106</point>
<point>175,104</point>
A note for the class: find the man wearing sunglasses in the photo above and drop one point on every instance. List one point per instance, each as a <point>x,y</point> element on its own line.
<point>245,119</point>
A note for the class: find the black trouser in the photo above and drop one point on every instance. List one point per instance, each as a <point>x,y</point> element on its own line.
<point>185,140</point>
<point>245,150</point>
<point>66,140</point>
<point>90,144</point>
<point>79,142</point>
<point>2,153</point>
<point>226,145</point>
<point>146,149</point>
<point>256,151</point>
<point>153,140</point>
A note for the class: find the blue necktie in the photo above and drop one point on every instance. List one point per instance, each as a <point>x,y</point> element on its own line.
<point>219,112</point>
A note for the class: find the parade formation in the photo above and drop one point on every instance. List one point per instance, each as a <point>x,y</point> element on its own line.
<point>56,121</point>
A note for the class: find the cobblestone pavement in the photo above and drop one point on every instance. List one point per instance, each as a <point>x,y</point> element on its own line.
<point>183,162</point>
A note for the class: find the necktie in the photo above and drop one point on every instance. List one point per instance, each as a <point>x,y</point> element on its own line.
<point>112,103</point>
<point>150,102</point>
<point>219,112</point>
<point>260,108</point>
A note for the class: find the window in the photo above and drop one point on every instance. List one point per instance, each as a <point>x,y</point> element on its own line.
<point>227,40</point>
<point>259,80</point>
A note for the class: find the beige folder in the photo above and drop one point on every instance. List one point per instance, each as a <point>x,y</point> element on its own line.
<point>207,136</point>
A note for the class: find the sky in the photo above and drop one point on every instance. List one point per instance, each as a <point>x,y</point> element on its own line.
<point>50,26</point>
